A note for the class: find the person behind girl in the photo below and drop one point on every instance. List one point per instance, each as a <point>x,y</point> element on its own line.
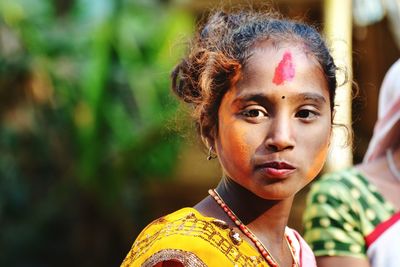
<point>262,91</point>
<point>353,216</point>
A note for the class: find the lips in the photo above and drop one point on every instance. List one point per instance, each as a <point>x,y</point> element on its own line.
<point>277,169</point>
<point>278,165</point>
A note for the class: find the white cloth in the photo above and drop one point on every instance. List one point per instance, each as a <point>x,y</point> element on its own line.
<point>384,250</point>
<point>387,128</point>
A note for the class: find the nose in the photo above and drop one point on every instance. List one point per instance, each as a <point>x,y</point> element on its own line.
<point>280,135</point>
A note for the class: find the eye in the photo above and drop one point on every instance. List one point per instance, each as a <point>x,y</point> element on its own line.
<point>253,113</point>
<point>306,114</point>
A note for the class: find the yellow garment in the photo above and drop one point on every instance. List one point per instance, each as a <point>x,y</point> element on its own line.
<point>188,237</point>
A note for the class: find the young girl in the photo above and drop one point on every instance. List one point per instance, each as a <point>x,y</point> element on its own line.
<point>262,91</point>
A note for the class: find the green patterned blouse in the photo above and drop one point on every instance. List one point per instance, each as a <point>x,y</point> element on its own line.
<point>342,209</point>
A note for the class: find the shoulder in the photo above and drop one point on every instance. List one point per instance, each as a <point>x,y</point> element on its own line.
<point>343,178</point>
<point>336,198</point>
<point>166,238</point>
<point>351,190</point>
<point>188,237</point>
<point>344,184</point>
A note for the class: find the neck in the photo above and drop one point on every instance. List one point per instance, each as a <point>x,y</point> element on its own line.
<point>396,155</point>
<point>392,158</point>
<point>266,218</point>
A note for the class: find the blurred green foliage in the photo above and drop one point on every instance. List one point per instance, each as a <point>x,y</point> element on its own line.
<point>84,106</point>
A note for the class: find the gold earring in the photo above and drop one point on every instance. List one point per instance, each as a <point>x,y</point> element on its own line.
<point>211,155</point>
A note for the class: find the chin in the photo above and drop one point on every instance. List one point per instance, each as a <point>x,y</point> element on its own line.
<point>276,194</point>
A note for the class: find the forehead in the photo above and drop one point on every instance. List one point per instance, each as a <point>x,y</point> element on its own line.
<point>282,66</point>
<point>269,53</point>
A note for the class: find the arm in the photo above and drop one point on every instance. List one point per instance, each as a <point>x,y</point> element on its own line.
<point>336,261</point>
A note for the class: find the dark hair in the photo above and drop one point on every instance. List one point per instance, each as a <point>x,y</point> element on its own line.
<point>220,50</point>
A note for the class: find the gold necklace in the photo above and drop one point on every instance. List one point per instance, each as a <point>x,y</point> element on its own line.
<point>247,232</point>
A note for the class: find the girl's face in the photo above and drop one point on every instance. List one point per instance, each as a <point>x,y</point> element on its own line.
<point>274,126</point>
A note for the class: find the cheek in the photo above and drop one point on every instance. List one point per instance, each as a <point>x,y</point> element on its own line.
<point>235,143</point>
<point>317,152</point>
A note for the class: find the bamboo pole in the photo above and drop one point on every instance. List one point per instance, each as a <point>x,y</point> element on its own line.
<point>338,31</point>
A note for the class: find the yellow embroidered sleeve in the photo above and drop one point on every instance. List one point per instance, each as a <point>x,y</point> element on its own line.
<point>191,239</point>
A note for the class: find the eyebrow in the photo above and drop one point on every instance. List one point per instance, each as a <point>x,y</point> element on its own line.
<point>311,96</point>
<point>264,98</point>
<point>256,97</point>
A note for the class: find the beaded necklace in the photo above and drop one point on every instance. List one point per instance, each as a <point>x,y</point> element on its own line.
<point>246,231</point>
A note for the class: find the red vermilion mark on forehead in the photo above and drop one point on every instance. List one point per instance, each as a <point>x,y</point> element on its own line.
<point>285,70</point>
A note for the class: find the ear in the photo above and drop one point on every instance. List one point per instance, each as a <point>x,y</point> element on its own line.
<point>333,114</point>
<point>208,137</point>
<point>207,131</point>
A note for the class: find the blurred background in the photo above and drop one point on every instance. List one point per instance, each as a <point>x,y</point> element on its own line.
<point>93,146</point>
